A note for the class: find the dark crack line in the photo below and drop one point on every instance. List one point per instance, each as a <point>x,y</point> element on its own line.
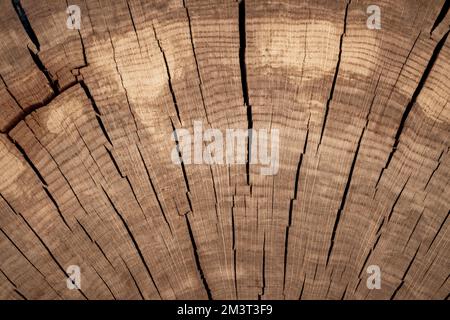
<point>197,259</point>
<point>57,166</point>
<point>50,253</point>
<point>244,83</point>
<point>412,102</point>
<point>344,293</point>
<point>263,266</point>
<point>402,282</point>
<point>344,196</point>
<point>30,109</point>
<point>133,240</point>
<point>396,199</point>
<point>114,162</point>
<point>54,85</point>
<point>135,198</point>
<point>302,288</point>
<point>442,285</point>
<point>438,231</point>
<point>291,204</point>
<point>104,254</point>
<point>196,61</point>
<point>20,294</point>
<point>107,286</point>
<point>134,280</point>
<point>214,187</point>
<point>122,84</point>
<point>7,278</point>
<point>183,169</point>
<point>363,265</point>
<point>134,25</point>
<point>98,114</point>
<point>154,191</point>
<point>169,78</point>
<point>22,253</point>
<point>15,289</point>
<point>8,204</point>
<point>25,23</point>
<point>436,168</point>
<point>83,48</point>
<point>336,72</point>
<point>26,258</point>
<point>84,229</point>
<point>350,175</point>
<point>413,229</point>
<point>233,229</point>
<point>441,15</point>
<point>10,93</point>
<point>40,177</point>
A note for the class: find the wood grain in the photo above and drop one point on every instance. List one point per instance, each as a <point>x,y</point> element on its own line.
<point>86,176</point>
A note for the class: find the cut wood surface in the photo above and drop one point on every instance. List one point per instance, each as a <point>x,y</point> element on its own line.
<point>87,118</point>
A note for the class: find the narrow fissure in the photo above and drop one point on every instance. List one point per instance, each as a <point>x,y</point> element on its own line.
<point>344,196</point>
<point>441,15</point>
<point>50,253</point>
<point>154,191</point>
<point>183,169</point>
<point>336,72</point>
<point>30,109</point>
<point>122,84</point>
<point>96,110</point>
<point>263,266</point>
<point>404,274</point>
<point>8,204</point>
<point>107,286</point>
<point>25,23</point>
<point>40,177</point>
<point>197,259</point>
<point>196,61</point>
<point>38,62</point>
<point>243,68</point>
<point>10,93</point>
<point>233,226</point>
<point>104,254</point>
<point>169,78</point>
<point>133,240</point>
<point>22,253</point>
<point>438,231</point>
<point>114,162</point>
<point>134,25</point>
<point>291,204</point>
<point>411,103</point>
<point>134,280</point>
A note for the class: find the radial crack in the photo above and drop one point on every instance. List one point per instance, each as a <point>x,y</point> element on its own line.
<point>169,78</point>
<point>122,84</point>
<point>133,240</point>
<point>336,72</point>
<point>197,259</point>
<point>40,178</point>
<point>154,191</point>
<point>50,253</point>
<point>441,15</point>
<point>25,23</point>
<point>196,61</point>
<point>413,99</point>
<point>243,68</point>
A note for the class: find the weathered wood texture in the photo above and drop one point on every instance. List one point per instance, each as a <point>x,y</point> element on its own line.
<point>86,177</point>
